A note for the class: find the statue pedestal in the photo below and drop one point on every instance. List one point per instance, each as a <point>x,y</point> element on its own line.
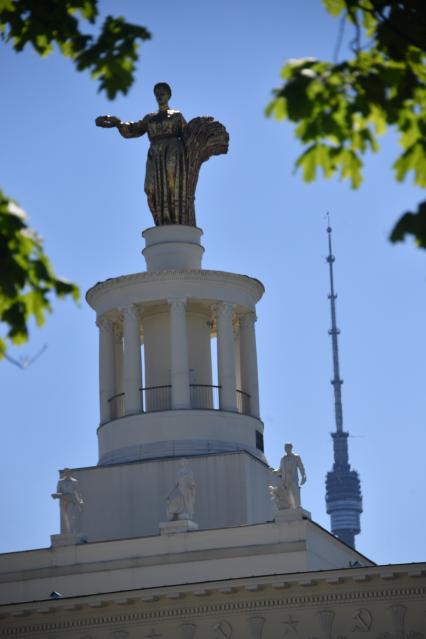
<point>67,539</point>
<point>291,514</point>
<point>177,526</point>
<point>173,247</point>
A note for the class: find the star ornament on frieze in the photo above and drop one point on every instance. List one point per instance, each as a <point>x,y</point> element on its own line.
<point>290,625</point>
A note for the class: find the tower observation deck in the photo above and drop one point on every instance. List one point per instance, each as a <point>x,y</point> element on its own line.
<point>343,487</point>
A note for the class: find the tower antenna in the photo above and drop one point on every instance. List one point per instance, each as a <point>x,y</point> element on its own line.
<point>343,488</point>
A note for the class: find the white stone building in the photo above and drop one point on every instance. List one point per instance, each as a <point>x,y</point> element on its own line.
<point>226,566</point>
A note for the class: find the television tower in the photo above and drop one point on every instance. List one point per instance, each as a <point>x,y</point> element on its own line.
<point>343,488</point>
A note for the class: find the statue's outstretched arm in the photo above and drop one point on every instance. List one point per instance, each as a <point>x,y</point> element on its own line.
<point>126,129</point>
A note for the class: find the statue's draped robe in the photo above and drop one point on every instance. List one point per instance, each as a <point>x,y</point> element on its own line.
<point>180,501</point>
<point>174,159</point>
<point>166,166</point>
<point>71,502</point>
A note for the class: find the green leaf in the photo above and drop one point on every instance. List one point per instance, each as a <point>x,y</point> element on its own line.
<point>308,163</point>
<point>413,159</point>
<point>335,7</point>
<point>378,119</point>
<point>6,5</point>
<point>340,110</point>
<point>27,279</point>
<point>411,224</point>
<point>351,166</point>
<point>110,57</point>
<point>277,108</point>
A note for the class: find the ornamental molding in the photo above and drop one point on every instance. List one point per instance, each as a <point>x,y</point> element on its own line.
<point>131,312</point>
<point>247,319</point>
<point>224,310</point>
<point>105,324</point>
<point>177,303</point>
<point>230,607</point>
<point>252,285</point>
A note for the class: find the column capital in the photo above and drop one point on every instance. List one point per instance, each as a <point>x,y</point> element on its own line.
<point>247,319</point>
<point>131,311</point>
<point>224,308</point>
<point>177,303</point>
<point>105,324</point>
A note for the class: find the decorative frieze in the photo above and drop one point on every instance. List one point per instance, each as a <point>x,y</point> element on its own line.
<point>355,611</point>
<point>222,630</point>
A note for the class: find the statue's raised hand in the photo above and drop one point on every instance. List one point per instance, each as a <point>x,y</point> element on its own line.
<point>107,121</point>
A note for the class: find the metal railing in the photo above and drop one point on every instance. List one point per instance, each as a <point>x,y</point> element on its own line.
<point>116,406</point>
<point>155,398</point>
<point>243,402</point>
<point>204,396</point>
<point>159,398</point>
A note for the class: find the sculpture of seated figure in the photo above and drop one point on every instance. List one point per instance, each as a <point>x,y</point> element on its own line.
<point>287,493</point>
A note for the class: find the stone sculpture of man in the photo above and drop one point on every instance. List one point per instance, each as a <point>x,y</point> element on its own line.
<point>71,502</point>
<point>287,493</point>
<point>181,499</point>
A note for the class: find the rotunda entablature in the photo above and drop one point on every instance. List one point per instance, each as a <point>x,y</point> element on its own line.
<point>203,286</point>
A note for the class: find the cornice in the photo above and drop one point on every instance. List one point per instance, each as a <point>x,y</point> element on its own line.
<point>215,598</point>
<point>254,286</point>
<point>232,603</point>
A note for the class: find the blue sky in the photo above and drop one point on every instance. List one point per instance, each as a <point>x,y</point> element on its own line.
<point>83,190</point>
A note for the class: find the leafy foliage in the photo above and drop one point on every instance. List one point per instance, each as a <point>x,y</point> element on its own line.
<point>411,224</point>
<point>41,24</point>
<point>341,108</point>
<point>27,280</point>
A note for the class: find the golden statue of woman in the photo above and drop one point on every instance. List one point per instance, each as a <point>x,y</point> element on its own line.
<point>175,155</point>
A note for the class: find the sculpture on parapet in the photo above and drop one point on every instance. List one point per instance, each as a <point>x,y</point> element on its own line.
<point>71,502</point>
<point>175,156</point>
<point>287,494</point>
<point>181,499</point>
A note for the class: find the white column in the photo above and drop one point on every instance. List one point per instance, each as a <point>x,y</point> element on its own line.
<point>117,409</point>
<point>106,367</point>
<point>118,355</point>
<point>132,364</point>
<point>237,351</point>
<point>249,378</point>
<point>179,355</point>
<point>226,358</point>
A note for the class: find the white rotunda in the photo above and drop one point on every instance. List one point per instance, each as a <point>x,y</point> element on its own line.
<point>166,318</point>
<point>177,379</point>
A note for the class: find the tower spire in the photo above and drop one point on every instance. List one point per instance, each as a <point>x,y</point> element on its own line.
<point>343,488</point>
<point>334,332</point>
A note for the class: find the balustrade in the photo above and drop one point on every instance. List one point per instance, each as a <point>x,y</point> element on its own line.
<point>159,398</point>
